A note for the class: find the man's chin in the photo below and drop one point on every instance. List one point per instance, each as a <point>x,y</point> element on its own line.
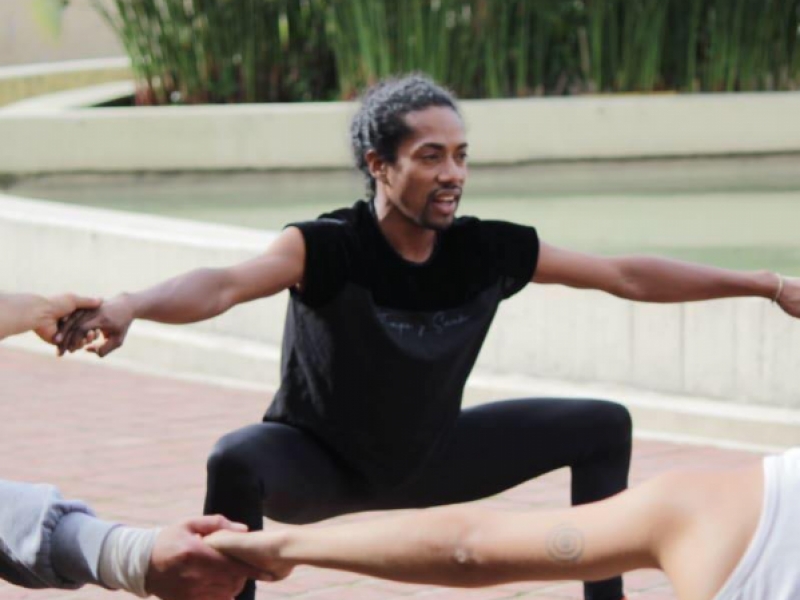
<point>440,223</point>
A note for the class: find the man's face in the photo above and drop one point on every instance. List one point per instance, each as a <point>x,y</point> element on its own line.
<point>426,180</point>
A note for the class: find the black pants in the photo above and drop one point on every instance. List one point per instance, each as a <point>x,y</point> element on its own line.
<point>277,471</point>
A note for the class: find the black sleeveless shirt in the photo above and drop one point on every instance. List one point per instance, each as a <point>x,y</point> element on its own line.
<point>377,349</point>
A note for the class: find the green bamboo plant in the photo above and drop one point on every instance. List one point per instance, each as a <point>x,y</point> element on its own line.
<point>192,51</point>
<point>750,45</point>
<point>224,51</point>
<point>480,48</point>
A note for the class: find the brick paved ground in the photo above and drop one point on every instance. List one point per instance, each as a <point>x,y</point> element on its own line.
<point>134,447</point>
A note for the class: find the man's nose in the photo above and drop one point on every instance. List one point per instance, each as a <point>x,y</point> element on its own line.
<point>452,172</point>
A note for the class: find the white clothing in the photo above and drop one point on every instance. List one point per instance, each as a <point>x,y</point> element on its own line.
<point>770,567</point>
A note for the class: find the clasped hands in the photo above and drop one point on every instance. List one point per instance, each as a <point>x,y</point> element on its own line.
<point>184,567</point>
<point>74,322</point>
<point>261,551</point>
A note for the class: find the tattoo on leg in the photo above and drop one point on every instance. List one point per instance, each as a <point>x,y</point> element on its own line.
<point>565,544</point>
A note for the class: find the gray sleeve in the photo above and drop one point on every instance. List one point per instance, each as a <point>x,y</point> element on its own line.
<point>46,541</point>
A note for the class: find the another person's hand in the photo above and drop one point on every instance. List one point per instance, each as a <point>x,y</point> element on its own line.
<point>789,297</point>
<point>183,567</point>
<point>259,549</point>
<point>112,319</point>
<point>52,310</point>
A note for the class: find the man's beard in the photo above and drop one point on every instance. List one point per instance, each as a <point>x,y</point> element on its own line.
<point>427,222</point>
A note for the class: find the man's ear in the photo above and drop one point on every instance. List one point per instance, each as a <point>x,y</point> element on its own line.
<point>376,165</point>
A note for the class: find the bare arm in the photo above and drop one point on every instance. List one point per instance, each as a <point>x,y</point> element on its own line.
<point>469,547</point>
<point>653,279</point>
<point>206,293</point>
<point>194,296</point>
<point>669,522</point>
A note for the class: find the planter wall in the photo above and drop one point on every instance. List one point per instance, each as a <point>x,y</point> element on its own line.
<point>60,137</point>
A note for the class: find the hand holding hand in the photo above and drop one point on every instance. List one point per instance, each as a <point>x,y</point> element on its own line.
<point>260,549</point>
<point>112,319</point>
<point>54,309</point>
<point>183,567</point>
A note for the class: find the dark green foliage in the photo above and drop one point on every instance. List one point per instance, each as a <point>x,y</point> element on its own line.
<point>288,50</point>
<point>198,51</point>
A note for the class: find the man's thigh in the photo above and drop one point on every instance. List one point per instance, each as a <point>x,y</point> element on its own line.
<point>299,479</point>
<point>499,445</point>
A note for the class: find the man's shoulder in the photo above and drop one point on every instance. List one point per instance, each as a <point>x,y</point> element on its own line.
<point>337,226</point>
<point>344,217</point>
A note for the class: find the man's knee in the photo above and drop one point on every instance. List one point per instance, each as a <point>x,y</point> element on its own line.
<point>237,465</point>
<point>619,418</point>
<point>231,459</point>
<point>612,428</point>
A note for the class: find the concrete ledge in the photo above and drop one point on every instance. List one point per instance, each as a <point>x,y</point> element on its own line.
<point>314,135</point>
<point>631,126</point>
<point>78,98</point>
<point>169,138</point>
<point>26,81</point>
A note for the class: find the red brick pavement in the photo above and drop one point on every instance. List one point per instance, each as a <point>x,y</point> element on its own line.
<point>134,447</point>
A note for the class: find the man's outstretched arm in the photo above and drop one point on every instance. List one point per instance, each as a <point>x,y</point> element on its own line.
<point>654,279</point>
<point>193,296</point>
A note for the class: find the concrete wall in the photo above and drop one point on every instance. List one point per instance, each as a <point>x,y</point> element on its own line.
<point>314,135</point>
<point>21,83</point>
<point>743,351</point>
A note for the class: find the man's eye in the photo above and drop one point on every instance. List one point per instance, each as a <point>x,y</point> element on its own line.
<point>429,157</point>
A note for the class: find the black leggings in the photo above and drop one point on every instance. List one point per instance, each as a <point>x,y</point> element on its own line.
<point>277,471</point>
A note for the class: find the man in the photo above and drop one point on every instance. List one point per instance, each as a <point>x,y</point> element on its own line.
<point>728,535</point>
<point>49,542</point>
<point>390,302</point>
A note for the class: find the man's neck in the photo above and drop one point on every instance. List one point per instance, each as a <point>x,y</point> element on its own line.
<point>410,240</point>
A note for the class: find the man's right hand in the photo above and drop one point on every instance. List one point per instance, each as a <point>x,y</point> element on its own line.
<point>183,567</point>
<point>112,319</point>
